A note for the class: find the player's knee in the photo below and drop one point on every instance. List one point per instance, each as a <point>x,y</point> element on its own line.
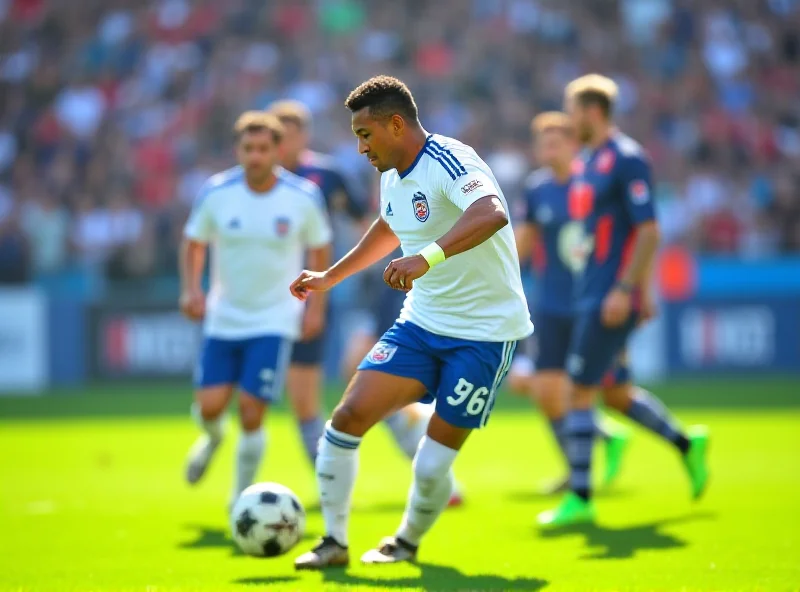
<point>583,396</point>
<point>211,405</point>
<point>251,412</point>
<point>618,397</point>
<point>350,419</point>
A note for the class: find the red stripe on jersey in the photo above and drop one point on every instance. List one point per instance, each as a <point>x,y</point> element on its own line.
<point>539,255</point>
<point>602,246</point>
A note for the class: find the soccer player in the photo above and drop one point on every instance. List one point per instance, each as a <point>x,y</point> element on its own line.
<point>611,194</point>
<point>561,242</point>
<point>304,380</point>
<point>456,334</point>
<point>261,222</point>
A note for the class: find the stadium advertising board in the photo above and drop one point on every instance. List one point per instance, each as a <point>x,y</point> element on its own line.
<point>23,341</point>
<point>744,335</point>
<point>143,342</point>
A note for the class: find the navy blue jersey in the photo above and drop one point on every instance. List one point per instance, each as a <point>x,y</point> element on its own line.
<point>339,197</point>
<point>561,240</point>
<point>611,193</point>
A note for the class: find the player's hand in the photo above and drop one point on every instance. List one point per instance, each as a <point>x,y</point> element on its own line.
<point>311,281</point>
<point>313,322</point>
<point>616,308</point>
<point>401,273</point>
<point>649,308</point>
<point>193,304</point>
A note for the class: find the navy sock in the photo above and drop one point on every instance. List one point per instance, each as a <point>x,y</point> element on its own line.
<point>311,431</point>
<point>648,411</point>
<point>580,431</point>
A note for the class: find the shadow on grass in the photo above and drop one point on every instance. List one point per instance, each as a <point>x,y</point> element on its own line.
<point>210,537</point>
<point>391,507</point>
<point>266,581</point>
<point>531,495</point>
<point>625,542</point>
<point>435,577</point>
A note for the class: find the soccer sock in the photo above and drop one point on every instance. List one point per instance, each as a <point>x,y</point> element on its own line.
<point>557,426</point>
<point>407,432</point>
<point>580,430</point>
<point>430,490</point>
<point>248,458</point>
<point>311,431</point>
<point>212,427</point>
<point>647,410</point>
<point>337,466</point>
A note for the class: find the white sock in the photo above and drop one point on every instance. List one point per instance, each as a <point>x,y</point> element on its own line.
<point>214,428</point>
<point>408,432</point>
<point>430,490</point>
<point>248,458</point>
<point>337,466</point>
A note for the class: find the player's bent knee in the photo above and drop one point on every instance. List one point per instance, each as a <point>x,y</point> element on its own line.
<point>583,396</point>
<point>251,412</point>
<point>212,401</point>
<point>618,396</point>
<point>349,417</point>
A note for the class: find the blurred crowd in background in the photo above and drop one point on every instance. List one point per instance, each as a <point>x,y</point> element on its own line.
<point>114,112</point>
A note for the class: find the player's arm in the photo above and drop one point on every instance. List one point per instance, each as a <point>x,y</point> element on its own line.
<point>636,181</point>
<point>192,258</point>
<point>353,205</point>
<point>526,233</point>
<point>377,243</point>
<point>483,216</point>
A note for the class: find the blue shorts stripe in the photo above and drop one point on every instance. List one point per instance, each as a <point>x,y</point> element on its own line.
<point>445,165</point>
<point>505,364</point>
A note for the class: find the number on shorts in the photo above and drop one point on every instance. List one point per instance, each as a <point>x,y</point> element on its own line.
<point>464,389</point>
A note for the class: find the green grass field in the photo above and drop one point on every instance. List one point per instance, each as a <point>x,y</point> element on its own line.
<point>92,498</point>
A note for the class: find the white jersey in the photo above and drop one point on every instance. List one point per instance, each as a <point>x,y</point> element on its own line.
<point>478,294</point>
<point>258,245</point>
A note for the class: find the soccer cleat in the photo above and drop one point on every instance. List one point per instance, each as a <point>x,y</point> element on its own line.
<point>200,455</point>
<point>328,553</point>
<point>696,459</point>
<point>573,509</point>
<point>616,444</point>
<point>391,550</point>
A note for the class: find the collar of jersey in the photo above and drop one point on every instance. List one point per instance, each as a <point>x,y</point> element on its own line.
<point>407,172</point>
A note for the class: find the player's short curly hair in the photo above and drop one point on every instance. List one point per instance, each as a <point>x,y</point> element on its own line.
<point>385,96</point>
<point>594,89</point>
<point>257,121</point>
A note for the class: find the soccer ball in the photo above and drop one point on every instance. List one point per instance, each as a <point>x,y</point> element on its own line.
<point>267,520</point>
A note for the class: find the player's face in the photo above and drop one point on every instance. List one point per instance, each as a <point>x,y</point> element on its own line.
<point>581,120</point>
<point>376,139</point>
<point>554,148</point>
<point>257,152</point>
<point>293,143</point>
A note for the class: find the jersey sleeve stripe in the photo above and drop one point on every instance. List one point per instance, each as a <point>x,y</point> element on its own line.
<point>449,156</point>
<point>445,165</point>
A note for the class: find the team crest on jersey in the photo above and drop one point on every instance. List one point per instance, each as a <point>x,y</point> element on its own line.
<point>381,353</point>
<point>421,209</point>
<point>282,226</point>
<point>605,162</point>
<point>638,192</point>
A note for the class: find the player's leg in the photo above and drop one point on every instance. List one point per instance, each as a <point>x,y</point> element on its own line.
<point>592,350</point>
<point>217,372</point>
<point>471,373</point>
<point>264,365</point>
<point>647,410</point>
<point>303,387</point>
<point>398,371</point>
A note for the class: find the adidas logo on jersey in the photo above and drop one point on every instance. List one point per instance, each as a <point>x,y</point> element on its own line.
<point>389,210</point>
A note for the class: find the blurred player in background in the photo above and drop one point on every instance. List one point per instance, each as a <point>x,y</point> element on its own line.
<point>261,222</point>
<point>458,329</point>
<point>611,192</point>
<point>559,241</point>
<point>304,383</point>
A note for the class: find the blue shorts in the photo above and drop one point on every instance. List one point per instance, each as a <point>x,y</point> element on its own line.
<point>595,350</point>
<point>553,334</point>
<point>462,376</point>
<point>257,364</point>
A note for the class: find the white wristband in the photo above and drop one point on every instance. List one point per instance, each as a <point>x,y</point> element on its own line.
<point>433,254</point>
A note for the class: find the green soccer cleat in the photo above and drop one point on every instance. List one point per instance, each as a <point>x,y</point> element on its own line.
<point>696,459</point>
<point>573,509</point>
<point>616,445</point>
